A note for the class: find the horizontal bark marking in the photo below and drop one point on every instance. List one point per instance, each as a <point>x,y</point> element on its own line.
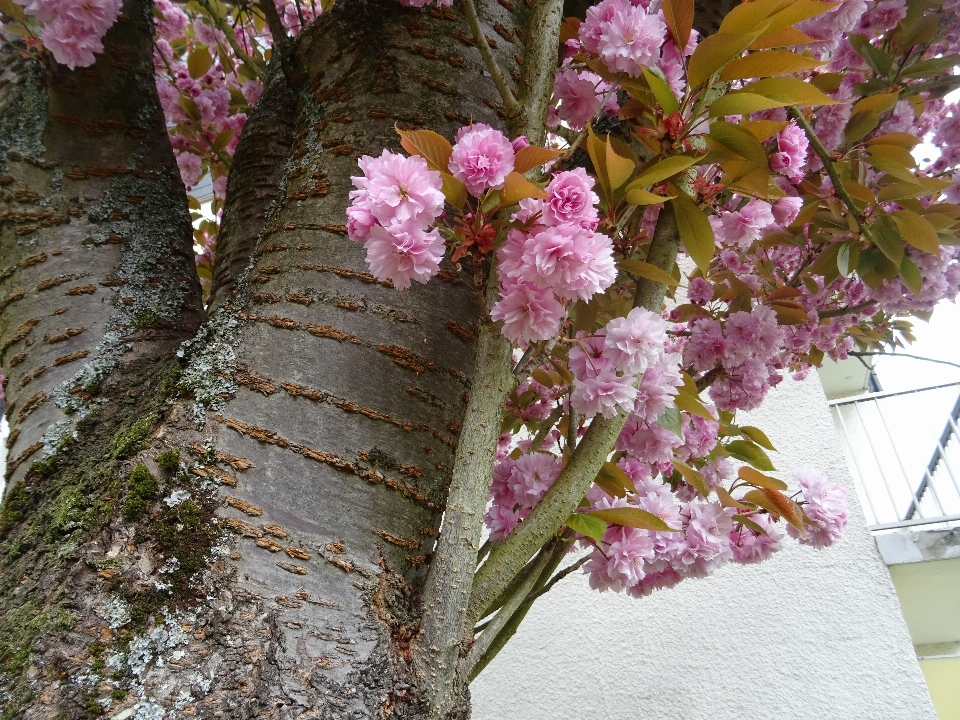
<point>237,463</point>
<point>29,377</point>
<point>296,553</point>
<point>17,359</point>
<point>268,544</point>
<point>291,568</point>
<point>243,506</point>
<point>32,404</point>
<point>65,335</point>
<point>370,474</point>
<point>260,383</point>
<point>54,281</point>
<point>222,477</point>
<point>397,540</point>
<point>64,359</point>
<point>348,303</point>
<point>12,298</point>
<point>404,357</point>
<point>316,599</point>
<point>276,531</point>
<point>19,334</point>
<point>21,458</point>
<point>242,528</point>
<point>82,290</point>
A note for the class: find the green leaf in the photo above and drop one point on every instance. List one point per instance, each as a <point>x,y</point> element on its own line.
<point>453,190</point>
<point>917,231</point>
<point>750,453</point>
<point>638,196</point>
<point>747,522</point>
<point>767,63</point>
<point>661,90</point>
<point>879,61</point>
<point>199,61</point>
<point>739,140</point>
<point>791,91</point>
<point>668,167</point>
<point>931,68</point>
<point>222,139</point>
<point>11,9</point>
<point>695,229</point>
<point>714,52</point>
<point>679,17</point>
<point>670,420</point>
<point>633,517</point>
<point>592,527</point>
<point>648,271</point>
<point>888,240</point>
<point>910,274</point>
<point>757,435</point>
<point>860,125</point>
<point>615,474</point>
<point>693,476</point>
<point>742,103</point>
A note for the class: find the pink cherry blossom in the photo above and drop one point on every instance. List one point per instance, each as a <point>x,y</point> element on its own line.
<point>529,313</point>
<point>404,253</point>
<point>825,503</point>
<point>604,393</point>
<point>635,341</point>
<point>742,227</point>
<point>481,159</point>
<point>579,94</point>
<point>574,262</point>
<point>570,199</point>
<point>396,189</point>
<point>626,38</point>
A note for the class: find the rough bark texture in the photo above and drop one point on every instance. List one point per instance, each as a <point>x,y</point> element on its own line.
<point>255,548</point>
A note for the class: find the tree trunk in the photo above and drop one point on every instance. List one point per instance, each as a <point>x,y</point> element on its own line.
<point>272,567</point>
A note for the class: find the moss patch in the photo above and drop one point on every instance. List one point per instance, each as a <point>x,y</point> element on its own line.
<point>168,461</point>
<point>142,489</point>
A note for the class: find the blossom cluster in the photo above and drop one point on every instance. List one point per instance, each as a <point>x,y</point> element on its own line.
<point>73,30</point>
<point>396,202</point>
<point>558,256</point>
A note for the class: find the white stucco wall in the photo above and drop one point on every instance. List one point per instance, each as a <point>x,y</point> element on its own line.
<point>808,634</point>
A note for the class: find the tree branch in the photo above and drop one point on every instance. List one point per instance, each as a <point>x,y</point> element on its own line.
<point>848,310</point>
<point>508,557</point>
<point>539,66</point>
<point>827,161</point>
<point>510,105</point>
<point>447,587</point>
<point>903,355</point>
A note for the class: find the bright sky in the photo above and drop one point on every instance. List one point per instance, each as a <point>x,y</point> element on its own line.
<point>940,340</point>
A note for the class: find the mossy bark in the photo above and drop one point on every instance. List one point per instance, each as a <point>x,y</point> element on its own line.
<point>276,572</point>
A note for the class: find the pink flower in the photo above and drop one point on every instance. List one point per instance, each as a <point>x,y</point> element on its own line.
<point>532,475</point>
<point>625,37</point>
<point>529,313</point>
<point>647,441</point>
<point>749,546</point>
<point>396,189</point>
<point>189,165</point>
<point>706,345</point>
<point>403,253</point>
<point>570,199</point>
<point>73,29</point>
<point>574,262</point>
<point>742,227</point>
<point>603,393</point>
<point>786,209</point>
<point>481,159</point>
<point>792,157</point>
<point>635,341</point>
<point>587,357</point>
<point>700,291</point>
<point>579,94</point>
<point>825,503</point>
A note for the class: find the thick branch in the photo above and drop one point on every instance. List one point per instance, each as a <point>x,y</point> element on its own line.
<point>447,589</point>
<point>510,105</point>
<point>539,66</point>
<point>508,557</point>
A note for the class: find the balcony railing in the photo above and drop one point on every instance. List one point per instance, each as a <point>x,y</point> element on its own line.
<point>903,449</point>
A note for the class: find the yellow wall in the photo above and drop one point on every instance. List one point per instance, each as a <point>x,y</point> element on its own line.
<point>943,681</point>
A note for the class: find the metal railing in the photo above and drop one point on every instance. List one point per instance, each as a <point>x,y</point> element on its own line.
<point>903,449</point>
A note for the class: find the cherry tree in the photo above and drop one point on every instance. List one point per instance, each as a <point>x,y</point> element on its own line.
<point>480,292</point>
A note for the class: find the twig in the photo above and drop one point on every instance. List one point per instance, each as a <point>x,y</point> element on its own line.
<point>510,105</point>
<point>903,355</point>
<point>258,66</point>
<point>848,310</point>
<point>827,161</point>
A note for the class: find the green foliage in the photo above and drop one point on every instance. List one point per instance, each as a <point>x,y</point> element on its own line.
<point>142,489</point>
<point>169,460</point>
<point>125,442</point>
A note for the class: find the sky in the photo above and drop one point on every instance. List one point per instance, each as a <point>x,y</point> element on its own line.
<point>940,340</point>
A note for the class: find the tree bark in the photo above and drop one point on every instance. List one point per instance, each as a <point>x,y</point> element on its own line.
<point>273,567</point>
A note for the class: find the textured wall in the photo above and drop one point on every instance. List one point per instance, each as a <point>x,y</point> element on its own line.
<point>808,634</point>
